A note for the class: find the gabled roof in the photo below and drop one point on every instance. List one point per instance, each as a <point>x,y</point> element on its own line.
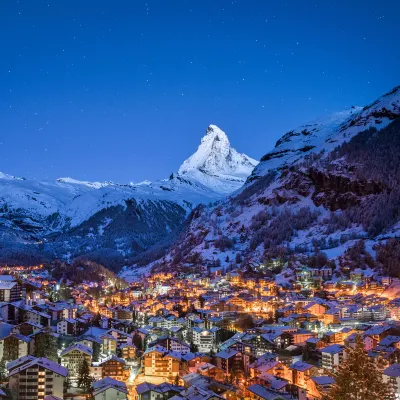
<point>113,358</point>
<point>323,380</point>
<point>42,362</point>
<point>301,366</point>
<point>20,361</point>
<point>333,349</point>
<point>226,354</point>
<point>268,394</point>
<point>108,383</point>
<point>77,346</point>
<point>7,285</point>
<point>161,388</point>
<point>197,393</point>
<point>393,370</point>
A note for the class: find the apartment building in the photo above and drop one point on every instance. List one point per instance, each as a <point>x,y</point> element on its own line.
<point>32,378</point>
<point>158,361</point>
<point>332,356</point>
<point>73,356</point>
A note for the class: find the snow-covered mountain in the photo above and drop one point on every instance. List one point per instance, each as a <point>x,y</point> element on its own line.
<point>74,217</point>
<point>216,164</point>
<point>325,184</point>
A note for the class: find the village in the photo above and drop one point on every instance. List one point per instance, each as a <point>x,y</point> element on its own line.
<point>195,335</point>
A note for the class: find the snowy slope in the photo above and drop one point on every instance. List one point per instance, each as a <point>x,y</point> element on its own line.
<point>32,210</point>
<point>328,132</point>
<point>300,194</point>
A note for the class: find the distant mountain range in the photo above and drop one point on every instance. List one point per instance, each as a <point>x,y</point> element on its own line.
<point>105,220</point>
<point>325,185</point>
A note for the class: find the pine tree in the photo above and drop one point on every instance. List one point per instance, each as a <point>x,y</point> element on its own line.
<point>137,341</point>
<point>84,378</point>
<point>96,351</point>
<point>193,348</point>
<point>46,345</point>
<point>359,377</point>
<point>3,371</point>
<point>67,384</point>
<point>176,380</point>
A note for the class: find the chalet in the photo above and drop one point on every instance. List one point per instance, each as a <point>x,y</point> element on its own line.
<point>158,361</point>
<point>229,361</point>
<point>36,378</point>
<point>115,368</point>
<point>109,388</point>
<point>67,326</point>
<point>301,373</point>
<point>146,390</point>
<point>332,356</point>
<point>73,356</point>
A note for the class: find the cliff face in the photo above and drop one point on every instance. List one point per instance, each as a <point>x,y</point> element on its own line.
<point>338,192</point>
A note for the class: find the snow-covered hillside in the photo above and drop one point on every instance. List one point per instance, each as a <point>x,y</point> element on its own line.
<point>325,184</point>
<point>32,210</point>
<point>329,132</point>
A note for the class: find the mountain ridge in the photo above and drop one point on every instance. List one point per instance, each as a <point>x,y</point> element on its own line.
<point>33,211</point>
<point>310,191</point>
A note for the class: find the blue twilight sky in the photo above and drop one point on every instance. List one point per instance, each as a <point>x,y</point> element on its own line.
<point>123,90</point>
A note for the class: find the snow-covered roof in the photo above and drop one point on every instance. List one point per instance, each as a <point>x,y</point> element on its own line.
<point>333,349</point>
<point>301,366</point>
<point>41,362</point>
<point>108,383</point>
<point>393,370</point>
<point>77,346</point>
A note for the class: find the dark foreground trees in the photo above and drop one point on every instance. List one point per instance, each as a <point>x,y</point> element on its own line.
<point>359,377</point>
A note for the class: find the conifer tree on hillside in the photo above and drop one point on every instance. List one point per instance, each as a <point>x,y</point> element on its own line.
<point>84,378</point>
<point>46,345</point>
<point>359,377</point>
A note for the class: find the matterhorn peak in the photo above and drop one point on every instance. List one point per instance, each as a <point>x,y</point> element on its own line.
<point>215,163</point>
<point>215,133</point>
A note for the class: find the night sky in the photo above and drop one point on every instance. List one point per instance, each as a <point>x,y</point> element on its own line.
<point>124,90</point>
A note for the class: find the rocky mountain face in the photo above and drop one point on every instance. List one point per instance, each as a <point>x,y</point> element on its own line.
<point>326,185</point>
<point>67,218</point>
<point>216,164</point>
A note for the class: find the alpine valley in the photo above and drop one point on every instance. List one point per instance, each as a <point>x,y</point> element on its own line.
<point>328,185</point>
<point>108,222</point>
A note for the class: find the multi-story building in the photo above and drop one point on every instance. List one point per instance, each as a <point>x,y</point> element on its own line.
<point>158,361</point>
<point>32,378</point>
<point>109,389</point>
<point>332,356</point>
<point>171,343</point>
<point>391,376</point>
<point>128,351</point>
<point>10,289</point>
<point>73,356</point>
<point>229,361</point>
<point>115,368</point>
<point>108,344</point>
<point>204,339</point>
<point>15,346</point>
<point>67,326</point>
<point>122,314</point>
<point>301,373</point>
